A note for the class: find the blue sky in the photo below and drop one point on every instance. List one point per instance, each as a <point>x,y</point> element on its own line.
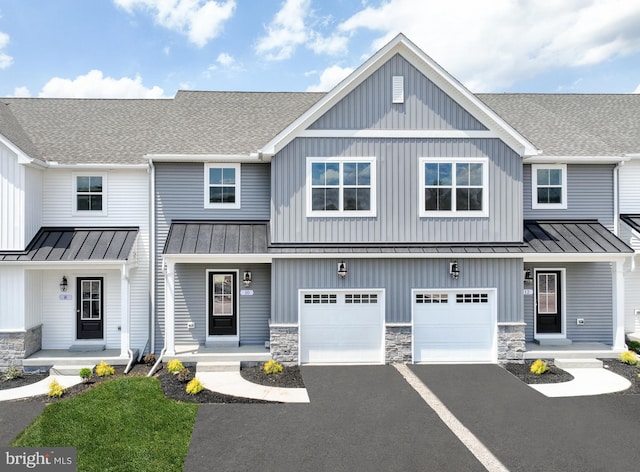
<point>152,48</point>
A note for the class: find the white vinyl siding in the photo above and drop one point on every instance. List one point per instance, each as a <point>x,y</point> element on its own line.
<point>12,298</point>
<point>629,185</point>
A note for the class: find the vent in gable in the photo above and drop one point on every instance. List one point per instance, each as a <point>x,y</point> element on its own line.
<point>398,89</point>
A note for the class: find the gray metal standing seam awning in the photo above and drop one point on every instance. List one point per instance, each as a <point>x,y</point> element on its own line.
<point>633,221</point>
<point>54,244</point>
<point>251,237</point>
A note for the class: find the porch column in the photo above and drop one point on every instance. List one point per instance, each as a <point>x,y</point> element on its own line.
<point>618,304</point>
<point>125,311</point>
<point>169,316</point>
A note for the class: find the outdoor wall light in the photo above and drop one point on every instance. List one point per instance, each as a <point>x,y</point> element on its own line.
<point>454,271</point>
<point>342,270</point>
<point>528,276</point>
<point>246,278</point>
<point>64,284</point>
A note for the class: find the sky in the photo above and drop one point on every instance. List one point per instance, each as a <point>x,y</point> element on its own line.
<point>153,48</point>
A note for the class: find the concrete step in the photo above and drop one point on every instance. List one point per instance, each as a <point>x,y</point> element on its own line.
<point>229,366</point>
<point>553,342</point>
<point>577,363</point>
<point>69,369</point>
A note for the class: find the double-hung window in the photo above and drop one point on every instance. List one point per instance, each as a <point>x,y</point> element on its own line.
<point>341,186</point>
<point>89,194</point>
<point>453,187</point>
<point>549,186</point>
<point>222,186</point>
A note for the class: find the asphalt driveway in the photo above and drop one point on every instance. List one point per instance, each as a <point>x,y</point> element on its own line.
<point>16,416</point>
<point>527,431</point>
<point>359,419</point>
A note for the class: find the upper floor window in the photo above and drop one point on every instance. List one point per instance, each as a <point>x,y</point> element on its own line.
<point>222,186</point>
<point>453,187</point>
<point>549,186</point>
<point>341,186</point>
<point>89,194</point>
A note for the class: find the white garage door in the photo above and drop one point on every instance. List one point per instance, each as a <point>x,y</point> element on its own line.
<point>342,327</point>
<point>453,326</point>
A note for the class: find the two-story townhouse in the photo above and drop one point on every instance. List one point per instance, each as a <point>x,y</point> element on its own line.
<point>408,222</point>
<point>74,238</point>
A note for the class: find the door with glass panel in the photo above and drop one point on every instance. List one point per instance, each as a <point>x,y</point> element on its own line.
<point>89,307</point>
<point>548,302</point>
<point>222,304</point>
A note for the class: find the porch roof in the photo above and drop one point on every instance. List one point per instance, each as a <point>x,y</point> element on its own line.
<point>632,220</point>
<point>571,237</point>
<point>53,244</point>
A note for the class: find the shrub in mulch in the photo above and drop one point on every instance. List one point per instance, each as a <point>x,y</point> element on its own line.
<point>552,375</point>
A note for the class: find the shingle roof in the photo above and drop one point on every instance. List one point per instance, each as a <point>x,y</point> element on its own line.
<point>76,244</point>
<point>71,131</point>
<point>573,124</point>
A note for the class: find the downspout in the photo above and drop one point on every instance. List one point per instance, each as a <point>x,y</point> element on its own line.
<point>152,253</point>
<point>616,197</point>
<point>125,277</point>
<point>164,347</point>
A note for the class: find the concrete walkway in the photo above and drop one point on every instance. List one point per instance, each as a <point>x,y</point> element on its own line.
<point>586,381</point>
<point>39,388</point>
<point>232,383</point>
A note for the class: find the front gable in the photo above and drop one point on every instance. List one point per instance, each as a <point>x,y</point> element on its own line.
<point>422,105</point>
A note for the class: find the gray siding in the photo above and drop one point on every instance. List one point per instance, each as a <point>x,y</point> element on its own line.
<point>589,195</point>
<point>369,106</point>
<point>191,303</point>
<point>588,294</point>
<point>397,218</point>
<point>180,195</point>
<point>397,277</point>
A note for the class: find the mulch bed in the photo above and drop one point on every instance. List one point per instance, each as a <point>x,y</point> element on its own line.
<point>553,375</point>
<point>172,387</point>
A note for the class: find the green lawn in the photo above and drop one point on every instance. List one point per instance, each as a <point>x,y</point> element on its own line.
<point>124,424</point>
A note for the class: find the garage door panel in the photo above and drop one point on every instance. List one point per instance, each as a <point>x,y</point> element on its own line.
<point>341,327</point>
<point>453,326</point>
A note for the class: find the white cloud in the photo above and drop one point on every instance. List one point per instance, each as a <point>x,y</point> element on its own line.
<point>225,59</point>
<point>95,85</point>
<point>491,45</point>
<point>295,25</point>
<point>200,20</point>
<point>21,92</point>
<point>5,59</point>
<point>637,90</point>
<point>330,77</point>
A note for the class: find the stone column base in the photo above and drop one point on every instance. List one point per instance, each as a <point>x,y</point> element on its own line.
<point>283,344</point>
<point>397,344</point>
<point>511,345</point>
<point>17,345</point>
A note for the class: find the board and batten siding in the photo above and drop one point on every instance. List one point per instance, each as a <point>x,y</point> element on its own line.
<point>369,105</point>
<point>590,195</point>
<point>20,200</point>
<point>629,187</point>
<point>12,298</point>
<point>398,277</point>
<point>179,195</point>
<point>191,303</point>
<point>397,193</point>
<point>588,294</point>
<point>127,204</point>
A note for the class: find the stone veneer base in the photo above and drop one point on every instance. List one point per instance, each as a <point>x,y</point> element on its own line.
<point>18,345</point>
<point>511,345</point>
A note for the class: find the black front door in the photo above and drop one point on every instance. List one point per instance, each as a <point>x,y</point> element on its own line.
<point>548,302</point>
<point>223,315</point>
<point>89,307</point>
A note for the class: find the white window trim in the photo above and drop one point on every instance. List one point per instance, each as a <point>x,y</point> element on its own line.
<point>342,213</point>
<point>534,187</point>
<point>74,195</point>
<point>222,206</point>
<point>454,213</point>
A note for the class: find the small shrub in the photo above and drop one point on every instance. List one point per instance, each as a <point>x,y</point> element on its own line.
<point>174,366</point>
<point>194,387</point>
<point>86,374</point>
<point>12,372</point>
<point>103,369</point>
<point>539,367</point>
<point>184,375</point>
<point>55,389</point>
<point>149,359</point>
<point>272,367</point>
<point>629,357</point>
<point>634,346</point>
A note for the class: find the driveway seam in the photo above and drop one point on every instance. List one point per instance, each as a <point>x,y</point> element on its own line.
<point>471,442</point>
